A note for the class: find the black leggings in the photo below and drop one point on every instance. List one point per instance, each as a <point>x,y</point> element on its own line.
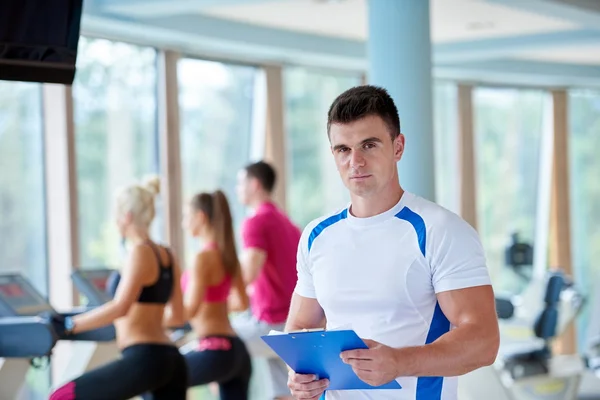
<point>221,359</point>
<point>155,368</point>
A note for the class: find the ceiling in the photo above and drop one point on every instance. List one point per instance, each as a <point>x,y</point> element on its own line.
<point>583,54</point>
<point>451,20</point>
<point>333,33</point>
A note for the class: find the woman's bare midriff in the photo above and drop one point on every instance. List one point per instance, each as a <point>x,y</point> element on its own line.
<point>143,324</point>
<point>212,319</point>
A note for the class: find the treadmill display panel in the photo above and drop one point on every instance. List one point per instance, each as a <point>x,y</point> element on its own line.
<point>92,284</point>
<point>19,298</point>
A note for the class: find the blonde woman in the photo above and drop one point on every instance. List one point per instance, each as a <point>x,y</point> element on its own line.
<point>148,294</point>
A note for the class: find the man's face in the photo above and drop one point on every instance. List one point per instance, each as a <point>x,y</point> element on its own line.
<point>365,154</point>
<point>244,187</point>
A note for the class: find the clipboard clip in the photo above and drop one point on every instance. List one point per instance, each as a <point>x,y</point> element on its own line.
<point>309,330</point>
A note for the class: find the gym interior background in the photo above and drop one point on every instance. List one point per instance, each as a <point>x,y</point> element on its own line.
<point>193,90</point>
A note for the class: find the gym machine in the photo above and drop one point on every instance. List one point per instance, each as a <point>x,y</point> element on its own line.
<point>590,383</point>
<point>525,368</point>
<point>524,308</point>
<point>26,332</point>
<point>94,284</point>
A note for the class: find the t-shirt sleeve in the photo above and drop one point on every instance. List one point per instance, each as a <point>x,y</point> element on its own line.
<point>253,234</point>
<point>457,258</point>
<point>304,285</point>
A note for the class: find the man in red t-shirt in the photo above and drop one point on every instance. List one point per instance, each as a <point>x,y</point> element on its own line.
<point>270,243</point>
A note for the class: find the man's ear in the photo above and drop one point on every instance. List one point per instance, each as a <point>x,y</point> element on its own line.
<point>254,184</point>
<point>399,147</point>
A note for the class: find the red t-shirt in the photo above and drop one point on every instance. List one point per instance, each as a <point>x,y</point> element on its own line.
<point>270,230</point>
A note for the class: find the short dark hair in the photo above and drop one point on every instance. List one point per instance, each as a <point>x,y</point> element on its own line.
<point>362,101</point>
<point>264,173</point>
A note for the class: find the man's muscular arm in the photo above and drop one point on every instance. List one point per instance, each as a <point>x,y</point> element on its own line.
<point>472,344</point>
<point>305,313</point>
<point>465,296</point>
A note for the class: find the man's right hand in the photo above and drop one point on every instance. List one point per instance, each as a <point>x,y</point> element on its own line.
<point>306,387</point>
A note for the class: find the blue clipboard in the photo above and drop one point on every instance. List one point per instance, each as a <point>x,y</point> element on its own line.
<point>318,353</point>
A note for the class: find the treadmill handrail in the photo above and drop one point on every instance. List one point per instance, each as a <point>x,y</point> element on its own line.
<point>26,337</point>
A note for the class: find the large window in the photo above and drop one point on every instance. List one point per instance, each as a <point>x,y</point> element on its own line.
<point>446,145</point>
<point>508,131</point>
<point>314,186</point>
<point>116,138</point>
<point>22,205</point>
<point>584,117</point>
<point>215,102</point>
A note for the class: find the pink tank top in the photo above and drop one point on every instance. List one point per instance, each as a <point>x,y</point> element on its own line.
<point>215,293</point>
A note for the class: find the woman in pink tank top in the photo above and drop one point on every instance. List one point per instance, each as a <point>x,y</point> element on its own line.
<point>220,356</point>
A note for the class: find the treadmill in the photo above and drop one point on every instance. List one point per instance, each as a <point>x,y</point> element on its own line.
<point>92,283</point>
<point>24,336</point>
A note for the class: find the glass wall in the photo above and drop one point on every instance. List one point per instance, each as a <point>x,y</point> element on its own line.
<point>215,105</point>
<point>115,106</point>
<point>508,131</point>
<point>314,186</point>
<point>115,115</point>
<point>446,145</point>
<point>584,142</point>
<point>22,205</point>
<point>22,198</point>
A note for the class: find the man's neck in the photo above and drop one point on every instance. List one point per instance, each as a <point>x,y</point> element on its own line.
<point>259,201</point>
<point>379,203</point>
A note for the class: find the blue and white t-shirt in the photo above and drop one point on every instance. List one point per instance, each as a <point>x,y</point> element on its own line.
<point>380,275</point>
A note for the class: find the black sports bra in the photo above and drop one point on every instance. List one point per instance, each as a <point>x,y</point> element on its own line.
<point>160,291</point>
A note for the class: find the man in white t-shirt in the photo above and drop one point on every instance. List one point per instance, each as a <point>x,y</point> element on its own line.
<point>409,276</point>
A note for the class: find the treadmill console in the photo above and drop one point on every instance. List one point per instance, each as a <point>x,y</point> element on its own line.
<point>19,298</point>
<point>92,284</point>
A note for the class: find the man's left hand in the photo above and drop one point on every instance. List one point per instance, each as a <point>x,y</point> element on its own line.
<point>376,365</point>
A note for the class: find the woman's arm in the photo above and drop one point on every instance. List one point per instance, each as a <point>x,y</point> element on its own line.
<point>174,313</point>
<point>199,276</point>
<point>238,299</point>
<point>134,275</point>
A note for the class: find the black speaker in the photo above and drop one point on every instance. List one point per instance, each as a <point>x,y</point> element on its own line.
<point>38,40</point>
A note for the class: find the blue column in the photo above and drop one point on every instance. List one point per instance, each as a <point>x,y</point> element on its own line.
<point>399,51</point>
